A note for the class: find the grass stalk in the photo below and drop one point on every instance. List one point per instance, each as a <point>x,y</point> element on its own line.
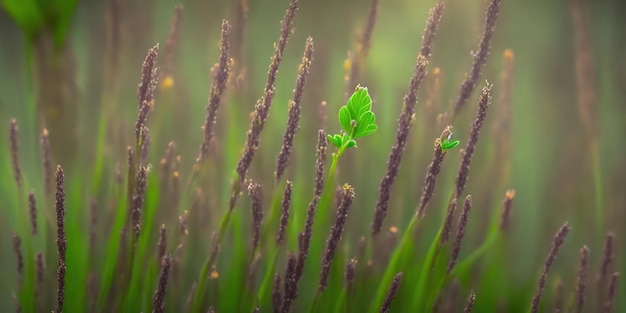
<point>427,192</point>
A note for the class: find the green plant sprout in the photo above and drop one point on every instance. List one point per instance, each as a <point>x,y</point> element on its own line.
<point>356,119</point>
<point>448,144</point>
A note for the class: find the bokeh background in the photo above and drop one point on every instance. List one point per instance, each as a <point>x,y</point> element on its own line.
<point>550,165</point>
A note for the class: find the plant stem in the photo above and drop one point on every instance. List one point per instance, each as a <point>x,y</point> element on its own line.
<point>426,269</point>
<point>197,301</point>
<point>343,304</point>
<point>597,183</point>
<point>313,306</point>
<point>328,190</point>
<point>274,211</point>
<point>396,257</point>
<point>268,277</point>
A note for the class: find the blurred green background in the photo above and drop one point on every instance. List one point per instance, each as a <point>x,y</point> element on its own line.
<point>550,163</point>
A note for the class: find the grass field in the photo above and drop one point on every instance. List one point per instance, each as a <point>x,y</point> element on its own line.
<point>312,156</point>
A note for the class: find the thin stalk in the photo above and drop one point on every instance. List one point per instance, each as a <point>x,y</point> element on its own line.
<point>396,257</point>
<point>343,304</point>
<point>315,302</point>
<point>212,258</point>
<point>115,238</point>
<point>329,191</point>
<point>274,211</point>
<point>428,265</point>
<point>268,279</point>
<point>597,184</point>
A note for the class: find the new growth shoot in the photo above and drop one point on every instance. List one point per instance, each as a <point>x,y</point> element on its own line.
<point>448,143</point>
<point>356,119</point>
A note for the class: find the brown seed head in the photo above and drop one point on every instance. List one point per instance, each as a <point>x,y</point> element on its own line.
<point>506,211</point>
<point>149,78</point>
<point>336,232</point>
<point>349,274</point>
<point>17,243</point>
<point>277,297</point>
<point>468,152</point>
<point>304,238</point>
<point>44,142</point>
<point>431,173</point>
<point>145,91</point>
<point>295,270</point>
<point>145,145</point>
<point>263,105</point>
<point>608,305</point>
<point>582,279</point>
<point>291,283</point>
<point>405,122</point>
<point>293,123</point>
<point>558,240</point>
<point>391,294</point>
<point>480,58</point>
<point>61,239</point>
<point>158,301</point>
<point>256,195</point>
<point>284,215</point>
<point>470,302</point>
<point>32,209</point>
<point>39,270</point>
<point>430,31</point>
<point>14,148</point>
<point>456,249</point>
<point>320,162</point>
<point>138,200</point>
<point>218,86</point>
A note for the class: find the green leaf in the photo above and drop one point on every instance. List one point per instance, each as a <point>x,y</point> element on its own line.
<point>366,120</point>
<point>359,102</point>
<point>447,145</point>
<point>351,143</point>
<point>340,139</point>
<point>345,119</point>
<point>345,139</point>
<point>64,12</point>
<point>27,14</point>
<point>369,130</point>
<point>333,140</point>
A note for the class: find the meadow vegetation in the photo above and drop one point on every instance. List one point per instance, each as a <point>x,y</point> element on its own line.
<point>355,197</point>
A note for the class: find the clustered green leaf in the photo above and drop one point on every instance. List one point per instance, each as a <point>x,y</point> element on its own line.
<point>356,119</point>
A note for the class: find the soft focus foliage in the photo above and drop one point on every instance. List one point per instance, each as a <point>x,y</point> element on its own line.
<point>73,68</point>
